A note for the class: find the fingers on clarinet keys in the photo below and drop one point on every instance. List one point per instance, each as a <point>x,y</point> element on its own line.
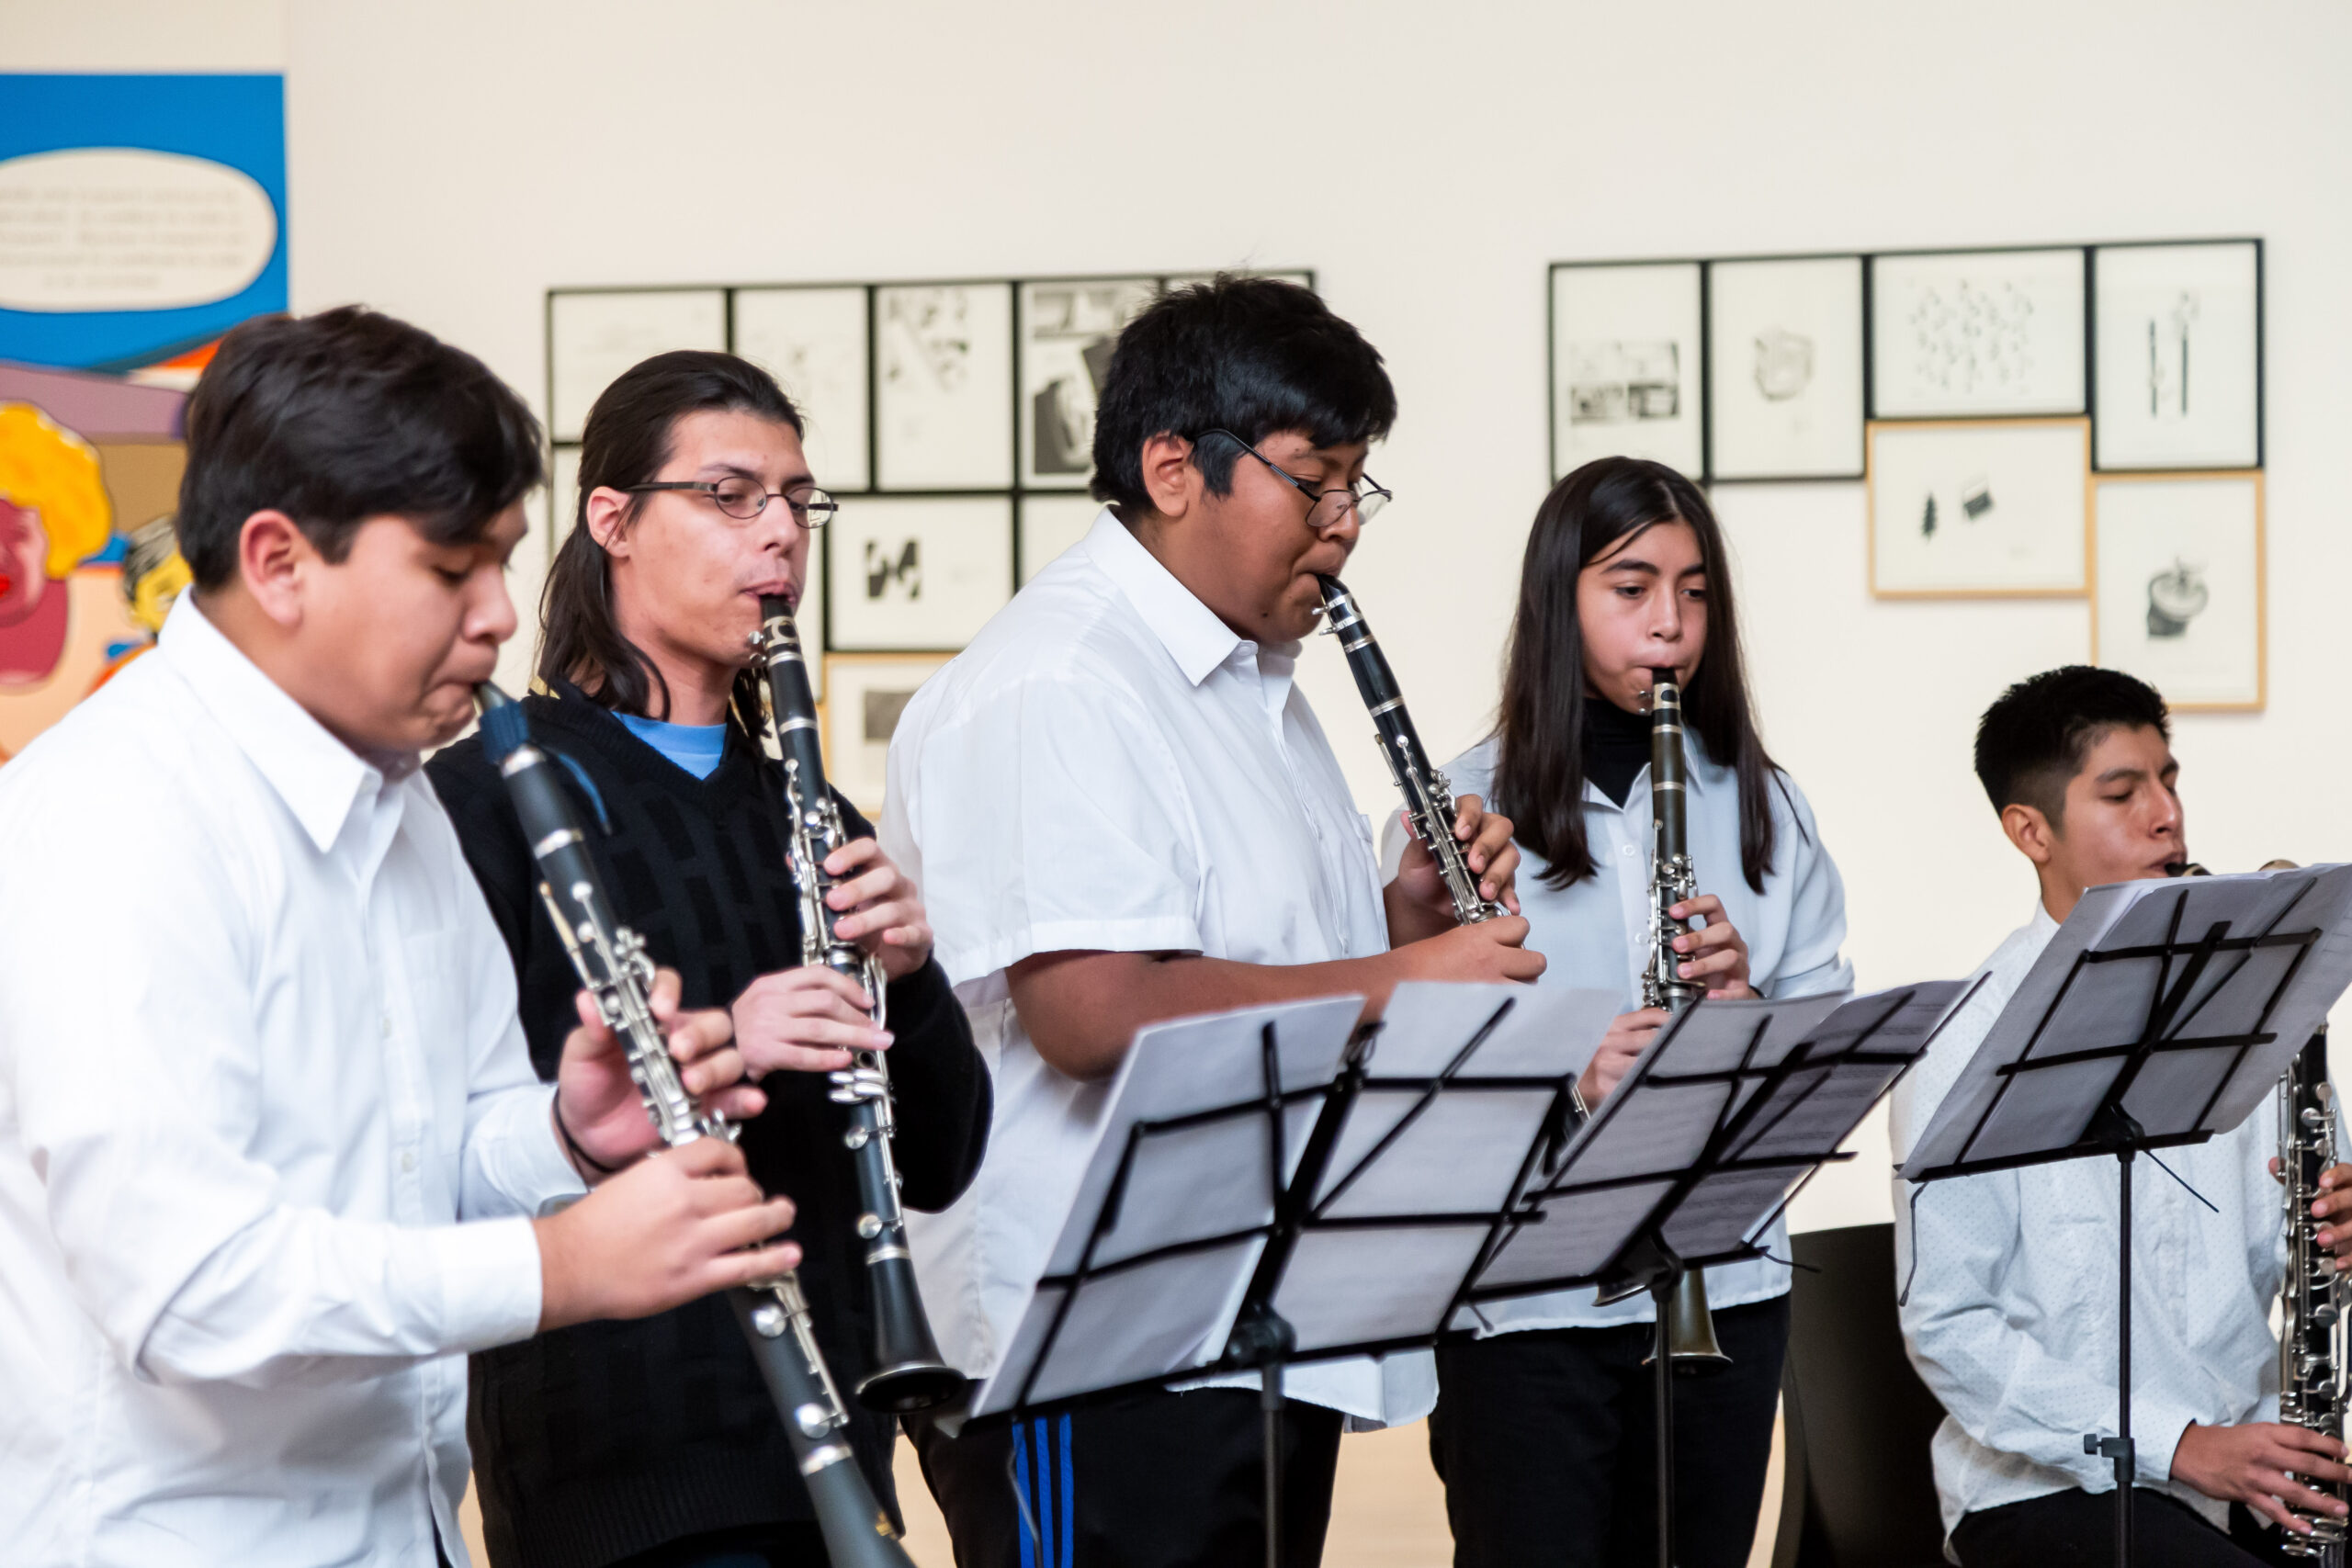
<point>859,1083</point>
<point>662,1233</point>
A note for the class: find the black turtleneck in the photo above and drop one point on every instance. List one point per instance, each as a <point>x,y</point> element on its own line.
<point>1616,746</point>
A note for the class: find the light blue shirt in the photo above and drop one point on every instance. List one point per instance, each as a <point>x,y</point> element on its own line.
<point>2010,1318</point>
<point>1595,933</point>
<point>694,746</point>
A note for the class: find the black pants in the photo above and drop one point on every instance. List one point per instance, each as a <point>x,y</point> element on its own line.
<point>1546,1441</point>
<point>1157,1481</point>
<point>2076,1530</point>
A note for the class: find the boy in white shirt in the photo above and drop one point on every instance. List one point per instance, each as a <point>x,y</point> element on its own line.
<point>2010,1313</point>
<point>244,1113</point>
<point>1123,811</point>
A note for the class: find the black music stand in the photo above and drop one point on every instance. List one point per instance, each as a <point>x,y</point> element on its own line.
<point>1718,1127</point>
<point>2160,1015</point>
<point>1213,1234</point>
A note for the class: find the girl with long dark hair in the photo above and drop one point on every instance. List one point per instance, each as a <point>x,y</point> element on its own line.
<point>1543,1428</point>
<point>656,1443</point>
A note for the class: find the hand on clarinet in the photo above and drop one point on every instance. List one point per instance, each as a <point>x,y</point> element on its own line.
<point>1716,956</point>
<point>597,1104</point>
<point>804,1021</point>
<point>2334,1204</point>
<point>1491,950</point>
<point>1629,1035</point>
<point>1493,859</point>
<point>2257,1464</point>
<point>660,1234</point>
<point>880,909</point>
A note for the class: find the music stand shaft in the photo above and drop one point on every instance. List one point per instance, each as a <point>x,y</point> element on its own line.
<point>1662,1357</point>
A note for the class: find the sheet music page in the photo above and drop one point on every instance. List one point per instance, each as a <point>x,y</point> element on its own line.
<point>1188,1184</point>
<point>2067,1004</point>
<point>1659,1122</point>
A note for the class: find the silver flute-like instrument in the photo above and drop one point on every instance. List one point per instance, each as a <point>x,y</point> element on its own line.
<point>909,1373</point>
<point>611,963</point>
<point>2312,1384</point>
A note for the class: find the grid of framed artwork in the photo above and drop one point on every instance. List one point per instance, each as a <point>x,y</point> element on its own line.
<point>2071,421</point>
<point>954,421</point>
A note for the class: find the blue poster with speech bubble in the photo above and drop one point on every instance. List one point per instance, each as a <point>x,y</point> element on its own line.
<point>140,217</point>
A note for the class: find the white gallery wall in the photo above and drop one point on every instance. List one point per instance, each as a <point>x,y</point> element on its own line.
<point>450,161</point>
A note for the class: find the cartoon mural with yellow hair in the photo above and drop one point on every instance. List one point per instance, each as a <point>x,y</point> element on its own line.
<point>88,566</point>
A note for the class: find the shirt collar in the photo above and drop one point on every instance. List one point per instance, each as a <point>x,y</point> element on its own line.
<point>1189,630</point>
<point>319,778</point>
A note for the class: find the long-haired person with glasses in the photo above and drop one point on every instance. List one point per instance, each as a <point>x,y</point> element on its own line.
<point>1543,1430</point>
<point>656,1443</point>
<point>1123,811</point>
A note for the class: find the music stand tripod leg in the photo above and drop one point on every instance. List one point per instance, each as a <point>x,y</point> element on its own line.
<point>1269,1401</point>
<point>1662,1361</point>
<point>2122,1132</point>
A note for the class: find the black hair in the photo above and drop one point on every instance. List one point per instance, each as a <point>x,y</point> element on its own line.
<point>2031,742</point>
<point>1252,355</point>
<point>1539,732</point>
<point>627,438</point>
<point>339,417</point>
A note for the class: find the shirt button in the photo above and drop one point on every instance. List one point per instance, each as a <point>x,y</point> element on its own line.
<point>386,1023</point>
<point>1624,849</point>
<point>408,1162</point>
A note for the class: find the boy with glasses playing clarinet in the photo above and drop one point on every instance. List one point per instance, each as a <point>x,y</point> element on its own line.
<point>1122,810</point>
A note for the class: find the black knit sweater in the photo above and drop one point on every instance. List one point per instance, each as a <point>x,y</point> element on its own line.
<point>599,1441</point>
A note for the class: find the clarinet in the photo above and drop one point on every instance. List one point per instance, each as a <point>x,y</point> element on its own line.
<point>611,963</point>
<point>1428,798</point>
<point>1672,880</point>
<point>1690,1328</point>
<point>2311,1340</point>
<point>909,1373</point>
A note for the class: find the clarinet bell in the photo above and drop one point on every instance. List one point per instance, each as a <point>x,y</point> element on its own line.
<point>909,1373</point>
<point>1690,1328</point>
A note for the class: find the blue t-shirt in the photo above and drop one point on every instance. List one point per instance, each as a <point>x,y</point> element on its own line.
<point>694,746</point>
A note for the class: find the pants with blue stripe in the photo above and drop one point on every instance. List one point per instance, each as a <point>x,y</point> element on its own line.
<point>1153,1480</point>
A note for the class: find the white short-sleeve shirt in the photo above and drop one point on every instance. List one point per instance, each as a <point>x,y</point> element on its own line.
<point>1595,934</point>
<point>1110,767</point>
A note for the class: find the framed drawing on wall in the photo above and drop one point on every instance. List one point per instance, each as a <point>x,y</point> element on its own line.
<point>593,336</point>
<point>1784,371</point>
<point>2180,595</point>
<point>1961,334</point>
<point>2179,345</point>
<point>907,574</point>
<point>1979,507</point>
<point>1626,378</point>
<point>1067,329</point>
<point>813,341</point>
<point>1050,524</point>
<point>869,692</point>
<point>943,385</point>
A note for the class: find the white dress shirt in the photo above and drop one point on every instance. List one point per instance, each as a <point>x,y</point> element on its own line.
<point>258,1053</point>
<point>1595,934</point>
<point>2011,1315</point>
<point>1108,767</point>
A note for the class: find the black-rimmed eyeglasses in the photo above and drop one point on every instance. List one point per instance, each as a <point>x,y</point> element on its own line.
<point>1325,508</point>
<point>744,499</point>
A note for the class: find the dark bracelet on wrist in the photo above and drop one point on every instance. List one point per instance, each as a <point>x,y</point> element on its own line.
<point>583,1155</point>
